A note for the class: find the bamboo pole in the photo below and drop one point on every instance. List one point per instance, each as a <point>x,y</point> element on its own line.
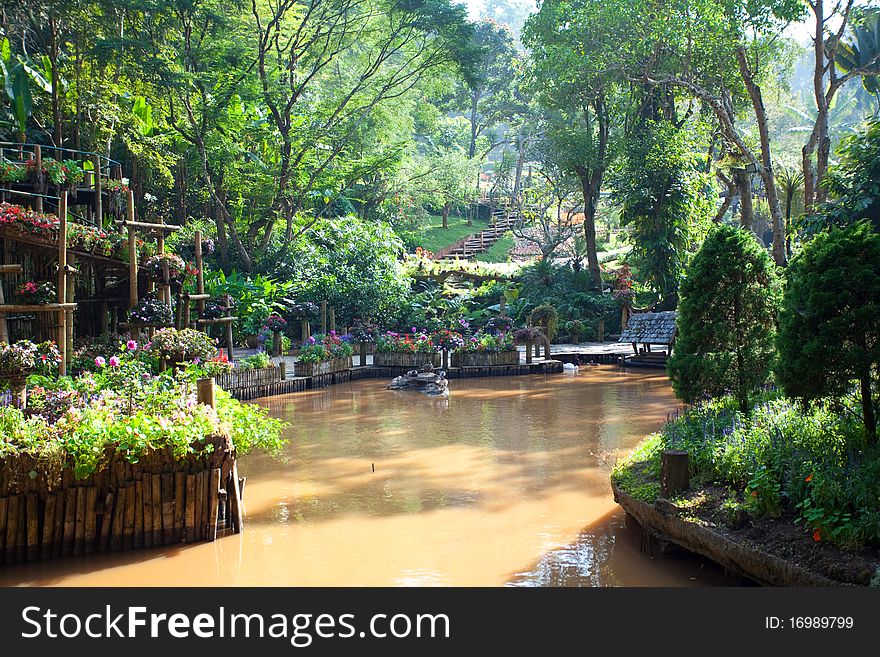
<point>200,276</point>
<point>132,252</point>
<point>69,521</point>
<point>138,534</point>
<point>157,509</point>
<point>79,530</point>
<point>323,318</point>
<point>90,522</point>
<point>148,509</point>
<point>128,518</point>
<point>189,520</point>
<point>332,318</point>
<point>99,202</point>
<point>168,508</point>
<point>48,526</point>
<point>179,505</point>
<point>33,528</point>
<point>58,529</point>
<point>106,521</point>
<point>62,281</point>
<point>118,520</point>
<point>4,504</point>
<point>213,498</point>
<point>38,158</point>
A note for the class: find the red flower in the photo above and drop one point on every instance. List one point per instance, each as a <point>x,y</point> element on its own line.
<point>809,479</point>
<point>816,535</point>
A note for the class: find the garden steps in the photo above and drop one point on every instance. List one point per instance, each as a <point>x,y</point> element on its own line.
<point>481,241</point>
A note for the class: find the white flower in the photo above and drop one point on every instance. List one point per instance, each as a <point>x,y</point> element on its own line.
<point>149,198</point>
<point>124,181</point>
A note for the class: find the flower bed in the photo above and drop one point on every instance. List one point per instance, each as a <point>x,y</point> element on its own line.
<point>323,355</point>
<point>410,360</point>
<point>89,239</point>
<point>322,367</point>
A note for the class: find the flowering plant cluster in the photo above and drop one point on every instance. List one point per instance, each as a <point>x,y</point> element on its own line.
<point>320,348</point>
<point>183,345</point>
<point>79,236</point>
<point>151,310</point>
<point>364,330</point>
<point>488,343</point>
<point>624,284</point>
<point>275,323</point>
<point>499,324</point>
<point>59,172</point>
<point>26,357</point>
<point>11,172</point>
<point>527,334</point>
<point>448,340</point>
<point>414,342</point>
<point>177,268</point>
<point>32,292</point>
<point>217,308</point>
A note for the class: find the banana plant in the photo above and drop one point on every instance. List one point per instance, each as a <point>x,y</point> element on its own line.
<point>18,75</point>
<point>863,52</point>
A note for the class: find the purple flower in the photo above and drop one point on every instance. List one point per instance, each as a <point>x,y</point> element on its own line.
<point>114,361</point>
<point>132,345</point>
<point>413,329</point>
<point>196,360</point>
<point>100,362</point>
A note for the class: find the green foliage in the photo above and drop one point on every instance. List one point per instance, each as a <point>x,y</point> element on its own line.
<point>811,460</point>
<point>726,319</point>
<point>546,317</point>
<point>829,332</point>
<point>350,263</point>
<point>664,195</point>
<point>499,251</point>
<point>855,182</point>
<point>183,345</point>
<point>255,361</point>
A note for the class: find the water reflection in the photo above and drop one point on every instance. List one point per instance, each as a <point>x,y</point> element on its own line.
<point>505,482</point>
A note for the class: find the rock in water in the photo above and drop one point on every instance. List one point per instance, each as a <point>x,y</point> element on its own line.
<point>431,383</point>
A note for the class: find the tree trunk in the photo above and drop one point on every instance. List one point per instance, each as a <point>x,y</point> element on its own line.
<point>446,215</point>
<point>766,169</point>
<point>868,408</point>
<point>744,187</point>
<point>521,141</point>
<point>591,193</point>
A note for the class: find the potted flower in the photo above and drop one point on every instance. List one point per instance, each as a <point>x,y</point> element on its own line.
<point>177,269</point>
<point>364,331</point>
<point>37,294</point>
<point>275,325</point>
<point>448,341</point>
<point>412,349</point>
<point>528,336</point>
<point>22,358</point>
<point>323,355</point>
<point>176,346</point>
<point>152,311</point>
<point>487,350</point>
<point>500,324</point>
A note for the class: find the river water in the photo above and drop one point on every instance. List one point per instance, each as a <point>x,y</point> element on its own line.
<point>504,483</point>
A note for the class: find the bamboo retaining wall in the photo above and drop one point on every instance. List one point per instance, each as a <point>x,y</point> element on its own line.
<point>45,512</point>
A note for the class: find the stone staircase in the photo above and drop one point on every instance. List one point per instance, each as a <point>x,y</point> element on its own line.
<point>502,221</point>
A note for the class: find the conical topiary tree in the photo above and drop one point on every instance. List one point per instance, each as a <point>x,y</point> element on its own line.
<point>726,319</point>
<point>829,325</point>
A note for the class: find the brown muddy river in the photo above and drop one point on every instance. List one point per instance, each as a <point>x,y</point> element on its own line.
<point>504,483</point>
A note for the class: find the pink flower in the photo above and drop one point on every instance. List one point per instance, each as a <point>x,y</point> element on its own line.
<point>132,345</point>
<point>114,361</point>
<point>100,362</point>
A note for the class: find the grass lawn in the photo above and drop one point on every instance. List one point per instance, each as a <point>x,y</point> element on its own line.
<point>434,237</point>
<point>498,252</point>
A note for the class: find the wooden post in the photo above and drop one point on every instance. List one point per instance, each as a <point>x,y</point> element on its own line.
<point>200,276</point>
<point>229,346</point>
<point>276,343</point>
<point>332,318</point>
<point>179,505</point>
<point>147,483</point>
<point>323,318</point>
<point>3,506</point>
<point>106,522</point>
<point>529,351</point>
<point>189,521</point>
<point>38,158</point>
<point>206,392</point>
<point>99,202</point>
<point>90,524</point>
<point>235,501</point>
<point>213,500</point>
<point>304,330</point>
<point>71,291</point>
<point>69,521</point>
<point>601,330</point>
<point>132,253</point>
<point>674,472</point>
<point>62,281</point>
<point>501,304</point>
<point>363,359</point>
<point>157,509</point>
<point>168,508</point>
<point>33,528</point>
<point>11,528</point>
<point>79,529</point>
<point>48,525</point>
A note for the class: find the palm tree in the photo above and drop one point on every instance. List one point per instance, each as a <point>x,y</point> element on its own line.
<point>863,52</point>
<point>791,184</point>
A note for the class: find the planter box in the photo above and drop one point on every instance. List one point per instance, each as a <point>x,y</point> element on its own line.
<point>323,367</point>
<point>485,359</point>
<point>249,378</point>
<point>413,361</point>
